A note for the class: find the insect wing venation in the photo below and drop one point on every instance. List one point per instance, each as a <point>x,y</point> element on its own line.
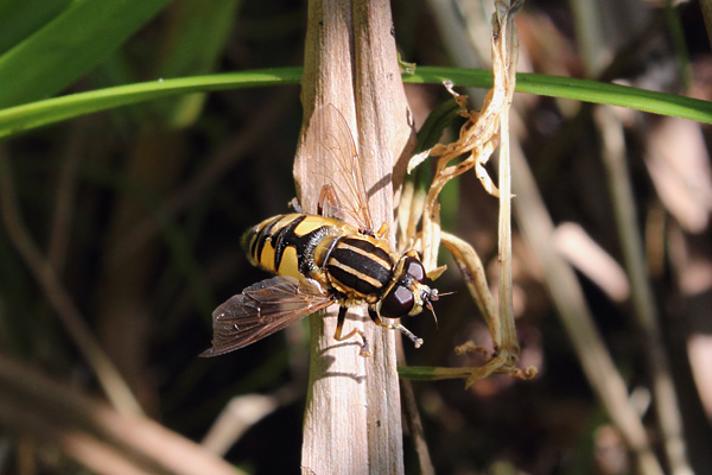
<point>262,309</point>
<point>329,139</point>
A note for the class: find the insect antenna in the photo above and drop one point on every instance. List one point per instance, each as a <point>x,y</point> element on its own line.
<point>445,294</point>
<point>429,305</point>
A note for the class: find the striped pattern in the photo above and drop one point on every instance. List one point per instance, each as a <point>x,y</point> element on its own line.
<point>277,246</point>
<point>357,265</point>
<point>351,264</point>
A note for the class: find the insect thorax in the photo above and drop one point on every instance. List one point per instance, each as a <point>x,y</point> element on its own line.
<point>360,267</point>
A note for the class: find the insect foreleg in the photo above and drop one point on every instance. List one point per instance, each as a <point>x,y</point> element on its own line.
<point>373,313</point>
<point>340,326</point>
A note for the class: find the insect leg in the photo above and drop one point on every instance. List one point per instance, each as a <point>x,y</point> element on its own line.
<point>295,205</point>
<point>328,204</point>
<point>339,337</point>
<point>382,232</point>
<point>373,313</point>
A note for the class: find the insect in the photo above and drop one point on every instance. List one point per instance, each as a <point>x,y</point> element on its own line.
<point>321,259</point>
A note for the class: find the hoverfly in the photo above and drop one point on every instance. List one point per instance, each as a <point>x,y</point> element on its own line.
<point>321,259</point>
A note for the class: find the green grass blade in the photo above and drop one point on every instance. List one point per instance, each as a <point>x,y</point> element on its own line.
<point>199,37</point>
<point>433,373</point>
<point>36,114</point>
<point>68,46</point>
<point>29,116</point>
<point>20,18</point>
<point>577,89</point>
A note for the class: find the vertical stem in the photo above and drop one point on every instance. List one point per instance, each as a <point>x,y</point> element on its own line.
<point>384,134</point>
<point>335,433</point>
<point>666,403</point>
<point>706,7</point>
<point>352,418</point>
<point>606,381</point>
<point>590,35</point>
<point>677,36</point>
<point>108,376</point>
<point>507,333</point>
<point>414,422</point>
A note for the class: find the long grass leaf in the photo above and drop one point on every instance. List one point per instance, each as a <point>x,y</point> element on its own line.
<point>68,46</point>
<point>20,18</point>
<point>36,114</point>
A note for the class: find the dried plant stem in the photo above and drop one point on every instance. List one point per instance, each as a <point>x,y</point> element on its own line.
<point>115,388</point>
<point>666,402</point>
<point>608,384</point>
<point>504,235</point>
<point>472,269</point>
<point>64,197</point>
<point>240,414</point>
<point>335,420</point>
<point>478,138</point>
<point>352,418</point>
<point>409,212</point>
<point>480,135</point>
<point>99,438</point>
<point>590,36</point>
<point>676,34</point>
<point>414,422</point>
<point>706,7</point>
<point>503,333</point>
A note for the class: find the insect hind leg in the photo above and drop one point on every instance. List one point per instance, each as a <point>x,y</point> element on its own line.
<point>295,205</point>
<point>328,204</point>
<point>339,328</point>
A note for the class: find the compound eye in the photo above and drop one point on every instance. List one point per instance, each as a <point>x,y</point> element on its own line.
<point>398,302</point>
<point>415,269</point>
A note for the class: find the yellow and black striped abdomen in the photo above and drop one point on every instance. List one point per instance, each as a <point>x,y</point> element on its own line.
<point>291,244</point>
<point>350,264</point>
<point>360,267</point>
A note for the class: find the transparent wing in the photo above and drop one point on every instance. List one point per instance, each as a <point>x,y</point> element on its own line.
<point>329,138</point>
<point>262,309</point>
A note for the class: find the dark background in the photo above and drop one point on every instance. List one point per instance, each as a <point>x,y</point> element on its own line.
<point>149,244</point>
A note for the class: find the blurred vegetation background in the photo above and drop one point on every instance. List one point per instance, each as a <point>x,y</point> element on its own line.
<point>129,221</point>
